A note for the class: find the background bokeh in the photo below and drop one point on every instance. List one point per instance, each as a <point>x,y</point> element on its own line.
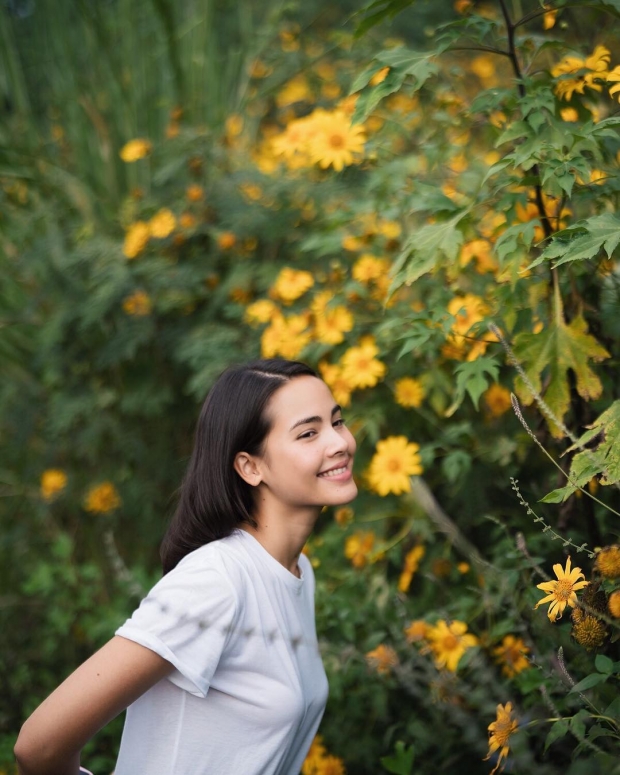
<point>420,201</point>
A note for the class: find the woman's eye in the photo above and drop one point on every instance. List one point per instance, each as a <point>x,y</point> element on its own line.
<point>340,421</point>
<point>307,435</point>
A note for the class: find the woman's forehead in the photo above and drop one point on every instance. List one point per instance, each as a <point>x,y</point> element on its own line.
<point>301,397</point>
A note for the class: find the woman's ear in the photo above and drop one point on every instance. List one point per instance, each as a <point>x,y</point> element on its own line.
<point>248,469</point>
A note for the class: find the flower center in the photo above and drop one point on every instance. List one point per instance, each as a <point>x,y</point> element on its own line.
<point>564,589</point>
<point>450,642</point>
<point>503,730</point>
<point>393,465</point>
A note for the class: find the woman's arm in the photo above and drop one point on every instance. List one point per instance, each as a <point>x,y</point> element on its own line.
<point>51,739</point>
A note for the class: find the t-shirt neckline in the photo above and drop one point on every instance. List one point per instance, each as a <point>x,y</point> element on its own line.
<point>283,573</point>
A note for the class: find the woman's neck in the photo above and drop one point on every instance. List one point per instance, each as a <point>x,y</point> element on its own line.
<point>284,536</point>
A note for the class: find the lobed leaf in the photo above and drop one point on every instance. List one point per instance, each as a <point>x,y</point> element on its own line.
<point>553,351</point>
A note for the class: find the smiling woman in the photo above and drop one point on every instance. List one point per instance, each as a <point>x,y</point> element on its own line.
<point>219,667</point>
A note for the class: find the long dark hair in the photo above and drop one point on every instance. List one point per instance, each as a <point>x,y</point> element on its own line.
<point>214,499</point>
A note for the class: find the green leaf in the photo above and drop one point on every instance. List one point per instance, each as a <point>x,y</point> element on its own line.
<point>553,351</point>
<point>559,495</point>
<point>606,454</point>
<point>423,250</point>
<point>401,763</point>
<point>471,378</point>
<point>557,732</point>
<point>588,682</point>
<point>455,465</point>
<point>578,724</point>
<point>414,66</point>
<point>613,709</point>
<point>604,664</point>
<point>601,231</point>
<point>514,131</point>
<point>515,240</point>
<point>376,12</point>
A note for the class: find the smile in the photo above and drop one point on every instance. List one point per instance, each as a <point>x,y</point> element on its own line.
<point>335,472</point>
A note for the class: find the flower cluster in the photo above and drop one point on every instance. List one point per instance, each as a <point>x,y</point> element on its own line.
<point>102,498</point>
<point>53,481</point>
<point>325,138</point>
<point>319,762</point>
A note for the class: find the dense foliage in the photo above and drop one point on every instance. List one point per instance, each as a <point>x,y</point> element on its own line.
<point>430,220</point>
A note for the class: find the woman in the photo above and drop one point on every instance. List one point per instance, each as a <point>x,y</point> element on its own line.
<point>219,666</point>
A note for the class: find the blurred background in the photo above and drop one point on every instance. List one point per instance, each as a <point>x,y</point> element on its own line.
<point>368,189</point>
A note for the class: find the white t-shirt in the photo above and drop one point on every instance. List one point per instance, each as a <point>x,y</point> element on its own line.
<point>248,690</point>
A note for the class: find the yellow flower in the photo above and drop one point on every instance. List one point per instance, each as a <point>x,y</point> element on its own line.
<point>549,18</point>
<point>343,516</point>
<point>162,224</point>
<point>333,377</point>
<point>390,229</point>
<point>258,69</point>
<point>412,562</point>
<point>234,125</point>
<point>614,77</point>
<point>379,76</point>
<point>463,567</point>
<point>358,547</point>
<point>262,311</point>
<point>53,480</point>
<point>608,562</point>
<point>187,221</point>
<point>417,631</point>
<point>511,655</point>
<point>613,604</point>
<point>295,90</point>
<point>194,193</point>
<point>584,71</point>
<point>332,324</point>
<point>351,243</point>
<point>252,191</point>
<point>448,643</point>
<point>468,310</point>
<point>136,239</point>
<point>484,67</point>
<point>226,240</point>
<point>497,399</point>
<point>360,367</point>
<point>102,498</point>
<point>409,392</point>
<point>290,284</point>
<point>292,144</point>
<point>395,460</point>
<point>319,762</point>
<point>337,143</point>
<point>500,732</point>
<point>314,757</point>
<point>285,336</point>
<point>480,251</point>
<point>331,765</point>
<point>369,267</point>
<point>138,304</point>
<point>569,114</point>
<point>562,591</point>
<point>382,659</point>
<point>135,149</point>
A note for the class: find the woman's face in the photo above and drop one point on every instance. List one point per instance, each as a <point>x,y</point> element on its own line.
<point>308,454</point>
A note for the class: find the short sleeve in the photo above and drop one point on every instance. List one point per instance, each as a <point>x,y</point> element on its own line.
<point>187,618</point>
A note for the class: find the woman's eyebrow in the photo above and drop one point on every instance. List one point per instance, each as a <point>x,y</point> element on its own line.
<point>337,408</point>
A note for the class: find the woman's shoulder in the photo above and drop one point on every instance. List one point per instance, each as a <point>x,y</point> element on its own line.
<point>222,557</point>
